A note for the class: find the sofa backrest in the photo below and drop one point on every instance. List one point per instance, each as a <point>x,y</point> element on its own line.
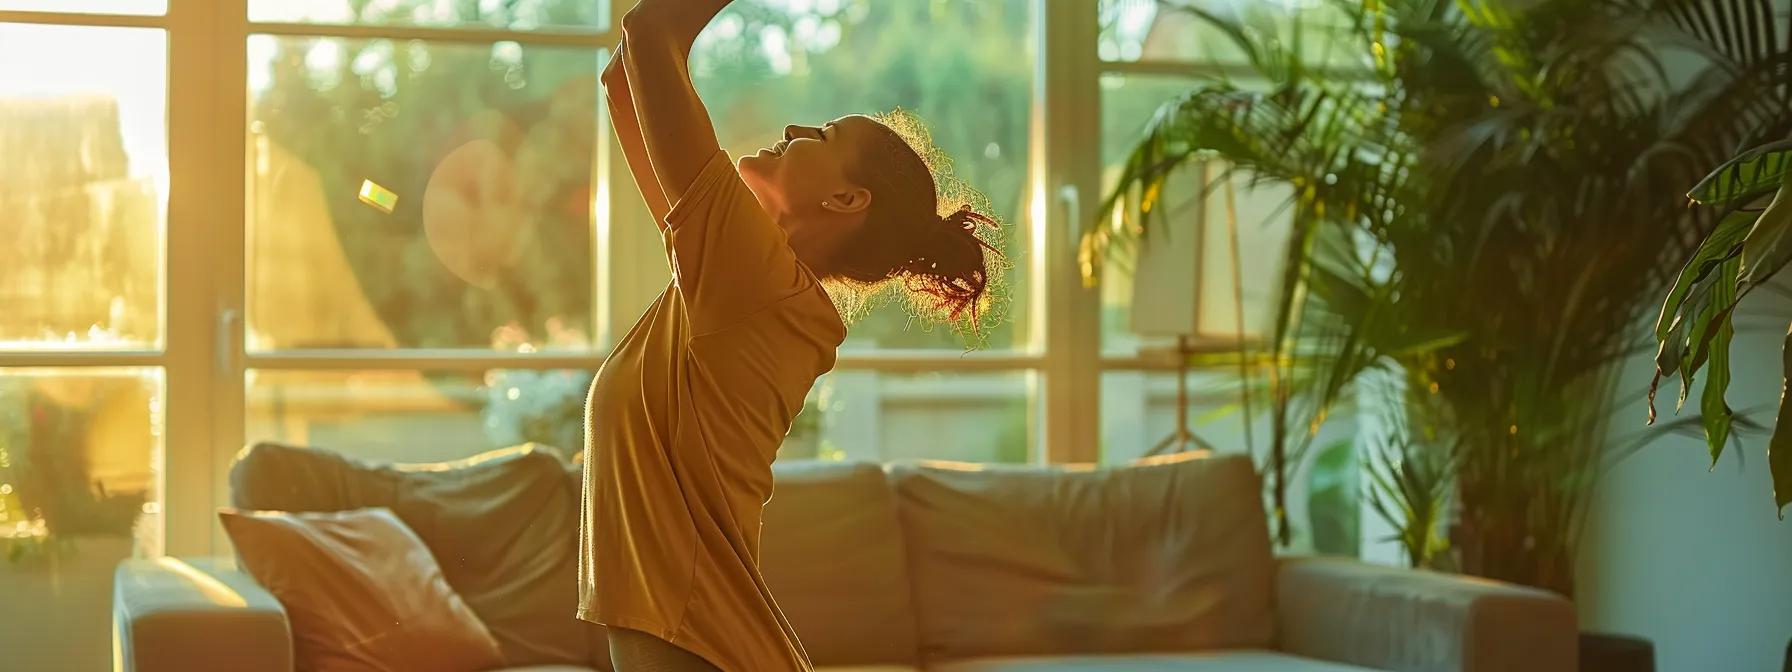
<point>1168,556</point>
<point>503,525</point>
<point>832,553</point>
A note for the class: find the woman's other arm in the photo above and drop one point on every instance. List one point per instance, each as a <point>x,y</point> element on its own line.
<point>674,124</point>
<point>628,133</point>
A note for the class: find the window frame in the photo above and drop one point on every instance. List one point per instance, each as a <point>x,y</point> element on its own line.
<point>203,356</point>
<point>1158,360</point>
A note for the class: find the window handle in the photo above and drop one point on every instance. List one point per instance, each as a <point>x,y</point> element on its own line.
<point>1072,200</point>
<point>230,336</point>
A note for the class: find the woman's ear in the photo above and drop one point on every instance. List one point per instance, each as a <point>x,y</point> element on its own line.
<point>850,200</point>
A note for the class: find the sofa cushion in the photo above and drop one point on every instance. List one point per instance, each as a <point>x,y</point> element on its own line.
<point>1168,556</point>
<point>832,553</point>
<point>504,525</point>
<point>362,592</point>
<point>1209,661</point>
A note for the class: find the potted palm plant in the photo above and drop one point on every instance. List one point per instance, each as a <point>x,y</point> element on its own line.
<point>1484,197</point>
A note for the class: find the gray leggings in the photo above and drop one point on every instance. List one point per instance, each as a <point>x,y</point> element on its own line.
<point>636,651</point>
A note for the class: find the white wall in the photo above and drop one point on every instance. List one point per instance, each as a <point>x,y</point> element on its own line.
<point>1696,560</point>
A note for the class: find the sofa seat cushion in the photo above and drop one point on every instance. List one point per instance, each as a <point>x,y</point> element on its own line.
<point>1206,661</point>
<point>832,553</point>
<point>1168,556</point>
<point>867,668</point>
<point>504,525</point>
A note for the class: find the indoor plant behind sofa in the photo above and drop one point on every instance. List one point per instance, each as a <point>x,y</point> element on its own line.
<point>952,567</point>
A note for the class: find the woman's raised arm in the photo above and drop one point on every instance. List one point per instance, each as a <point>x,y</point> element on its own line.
<point>674,124</point>
<point>628,132</point>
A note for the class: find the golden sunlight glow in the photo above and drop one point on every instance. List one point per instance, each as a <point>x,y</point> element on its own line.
<point>500,454</point>
<point>208,585</point>
<point>84,216</point>
<point>950,465</point>
<point>1173,458</point>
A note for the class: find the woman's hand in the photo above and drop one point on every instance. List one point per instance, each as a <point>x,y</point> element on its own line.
<point>676,17</point>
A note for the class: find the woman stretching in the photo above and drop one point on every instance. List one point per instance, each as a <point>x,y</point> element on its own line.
<point>687,414</point>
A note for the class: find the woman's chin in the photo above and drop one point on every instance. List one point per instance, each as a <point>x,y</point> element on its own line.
<point>756,162</point>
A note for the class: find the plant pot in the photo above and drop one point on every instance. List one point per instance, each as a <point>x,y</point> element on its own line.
<point>58,607</point>
<point>1616,653</point>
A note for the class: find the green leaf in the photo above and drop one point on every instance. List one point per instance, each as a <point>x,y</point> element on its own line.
<point>1769,244</point>
<point>1779,448</point>
<point>1724,242</point>
<point>1709,309</point>
<point>1715,413</point>
<point>1751,174</point>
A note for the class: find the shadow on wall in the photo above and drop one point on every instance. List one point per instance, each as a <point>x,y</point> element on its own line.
<point>1693,559</point>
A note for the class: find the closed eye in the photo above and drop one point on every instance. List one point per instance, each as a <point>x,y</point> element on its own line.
<point>794,132</point>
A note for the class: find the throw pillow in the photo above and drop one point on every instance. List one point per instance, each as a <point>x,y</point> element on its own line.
<point>362,592</point>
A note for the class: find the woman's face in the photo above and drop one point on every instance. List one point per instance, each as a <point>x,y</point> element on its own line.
<point>803,181</point>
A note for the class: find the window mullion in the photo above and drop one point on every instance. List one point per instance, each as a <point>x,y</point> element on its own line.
<point>414,359</point>
<point>1066,113</point>
<point>552,38</point>
<point>204,260</point>
<point>84,19</point>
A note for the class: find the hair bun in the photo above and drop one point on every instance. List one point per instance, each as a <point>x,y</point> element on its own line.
<point>948,266</point>
<point>967,220</point>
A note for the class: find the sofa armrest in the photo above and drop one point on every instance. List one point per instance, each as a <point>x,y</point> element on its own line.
<point>1417,621</point>
<point>202,614</point>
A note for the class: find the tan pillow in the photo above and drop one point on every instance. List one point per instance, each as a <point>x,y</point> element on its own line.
<point>503,524</point>
<point>362,592</point>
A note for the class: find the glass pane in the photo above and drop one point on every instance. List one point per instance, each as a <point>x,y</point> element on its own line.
<point>512,14</point>
<point>1138,411</point>
<point>763,64</point>
<point>139,7</point>
<point>413,416</point>
<point>84,185</point>
<point>1185,272</point>
<point>872,416</point>
<point>1153,30</point>
<point>80,465</point>
<point>421,195</point>
<point>418,416</point>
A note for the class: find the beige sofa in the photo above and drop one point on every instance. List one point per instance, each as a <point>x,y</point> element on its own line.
<point>947,568</point>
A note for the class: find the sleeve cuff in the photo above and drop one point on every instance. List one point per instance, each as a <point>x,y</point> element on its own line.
<point>718,167</point>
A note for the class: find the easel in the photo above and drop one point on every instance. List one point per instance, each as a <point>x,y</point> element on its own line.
<point>1182,438</point>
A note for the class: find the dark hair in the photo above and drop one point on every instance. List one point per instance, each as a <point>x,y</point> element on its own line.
<point>942,260</point>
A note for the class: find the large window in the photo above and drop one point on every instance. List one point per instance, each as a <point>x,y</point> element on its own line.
<point>84,189</point>
<point>767,63</point>
<point>1216,260</point>
<point>400,229</point>
<point>1186,268</point>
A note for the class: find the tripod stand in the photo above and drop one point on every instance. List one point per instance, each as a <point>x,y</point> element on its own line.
<point>1181,439</point>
